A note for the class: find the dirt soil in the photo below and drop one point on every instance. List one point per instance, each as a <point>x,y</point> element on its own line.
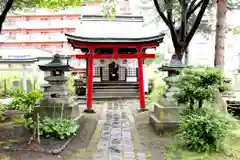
<point>150,142</point>
<point>81,141</point>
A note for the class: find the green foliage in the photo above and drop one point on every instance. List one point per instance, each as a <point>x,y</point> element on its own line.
<point>59,128</point>
<point>205,129</point>
<point>158,89</point>
<point>56,4</point>
<point>236,30</point>
<point>109,8</point>
<point>70,84</point>
<point>153,60</point>
<point>202,127</point>
<point>199,84</point>
<point>50,4</point>
<point>25,101</point>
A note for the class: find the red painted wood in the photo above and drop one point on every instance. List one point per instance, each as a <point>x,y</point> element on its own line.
<point>141,84</point>
<point>115,51</point>
<point>121,56</point>
<point>89,82</point>
<point>113,45</point>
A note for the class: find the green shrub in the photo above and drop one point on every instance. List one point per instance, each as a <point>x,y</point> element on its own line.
<point>70,84</point>
<point>25,101</point>
<point>157,90</point>
<point>59,128</point>
<point>204,129</point>
<point>198,85</point>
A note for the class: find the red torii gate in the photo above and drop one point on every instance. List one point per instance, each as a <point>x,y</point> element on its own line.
<point>115,43</point>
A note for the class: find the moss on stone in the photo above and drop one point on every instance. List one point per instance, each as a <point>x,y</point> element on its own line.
<point>18,119</point>
<point>13,140</point>
<point>4,157</point>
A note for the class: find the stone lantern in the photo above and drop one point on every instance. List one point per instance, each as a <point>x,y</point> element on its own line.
<point>173,69</point>
<point>165,117</point>
<point>57,100</point>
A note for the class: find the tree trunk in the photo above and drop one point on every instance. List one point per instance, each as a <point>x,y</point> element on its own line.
<point>186,56</point>
<point>220,34</point>
<point>3,15</point>
<point>179,52</point>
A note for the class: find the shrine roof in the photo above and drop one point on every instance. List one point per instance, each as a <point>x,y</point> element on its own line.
<point>22,60</point>
<point>158,38</point>
<point>123,29</point>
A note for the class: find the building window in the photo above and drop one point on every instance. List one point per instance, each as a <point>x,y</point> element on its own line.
<point>97,71</point>
<point>131,72</point>
<point>9,22</point>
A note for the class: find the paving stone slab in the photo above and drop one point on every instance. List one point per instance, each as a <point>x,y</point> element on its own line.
<point>115,136</point>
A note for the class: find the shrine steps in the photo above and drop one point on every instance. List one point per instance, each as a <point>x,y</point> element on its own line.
<point>115,90</point>
<point>116,84</point>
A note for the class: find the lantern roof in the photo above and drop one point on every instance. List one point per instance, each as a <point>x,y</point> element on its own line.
<point>55,64</point>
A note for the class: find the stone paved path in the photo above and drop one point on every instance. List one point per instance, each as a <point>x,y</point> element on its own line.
<point>118,138</point>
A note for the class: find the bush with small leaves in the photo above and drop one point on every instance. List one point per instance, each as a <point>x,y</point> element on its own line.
<point>205,129</point>
<point>198,85</point>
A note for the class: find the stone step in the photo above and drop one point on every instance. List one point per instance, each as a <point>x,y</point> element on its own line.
<point>101,98</point>
<point>115,84</point>
<point>116,90</point>
<point>116,94</point>
<point>116,87</point>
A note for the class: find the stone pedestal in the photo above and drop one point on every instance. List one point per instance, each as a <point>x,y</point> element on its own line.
<point>165,119</point>
<point>67,111</point>
<point>56,100</point>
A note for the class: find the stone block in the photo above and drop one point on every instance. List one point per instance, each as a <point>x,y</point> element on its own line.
<point>165,119</point>
<point>51,111</point>
<point>163,127</point>
<point>166,113</point>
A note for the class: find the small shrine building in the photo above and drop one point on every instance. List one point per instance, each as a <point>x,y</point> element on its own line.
<point>114,50</point>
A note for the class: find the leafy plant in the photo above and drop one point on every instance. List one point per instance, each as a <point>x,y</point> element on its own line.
<point>157,90</point>
<point>205,129</point>
<point>200,84</point>
<point>70,84</point>
<point>202,126</point>
<point>59,128</point>
<point>25,101</point>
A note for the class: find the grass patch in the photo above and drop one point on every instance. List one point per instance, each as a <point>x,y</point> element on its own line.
<point>231,151</point>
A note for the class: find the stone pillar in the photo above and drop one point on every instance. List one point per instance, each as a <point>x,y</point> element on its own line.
<point>16,84</point>
<point>171,81</point>
<point>24,80</point>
